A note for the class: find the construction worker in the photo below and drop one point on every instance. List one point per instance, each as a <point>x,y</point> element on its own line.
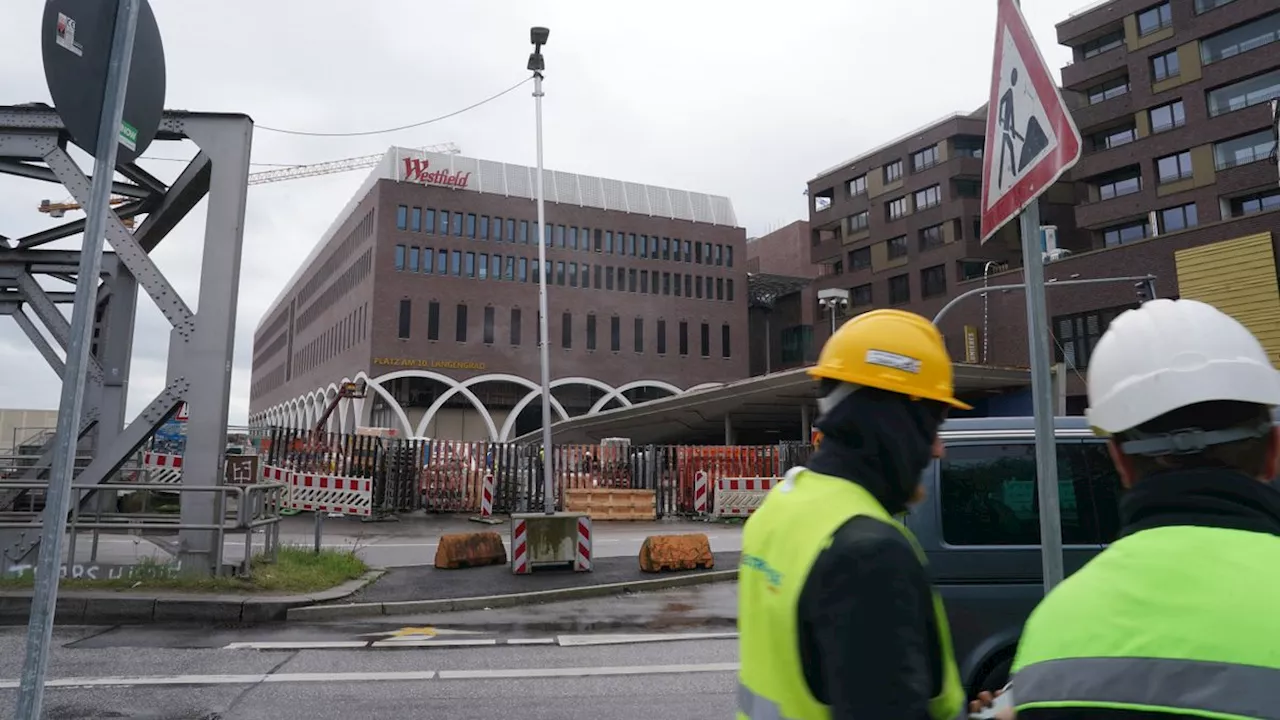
<point>1177,618</point>
<point>836,616</point>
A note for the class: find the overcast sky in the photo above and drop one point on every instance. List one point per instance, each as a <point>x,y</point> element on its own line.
<point>748,99</point>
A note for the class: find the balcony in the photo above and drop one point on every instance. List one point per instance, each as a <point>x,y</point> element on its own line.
<point>1081,74</point>
<point>1088,116</point>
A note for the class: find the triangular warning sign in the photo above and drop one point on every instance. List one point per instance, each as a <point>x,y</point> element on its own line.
<point>1031,138</point>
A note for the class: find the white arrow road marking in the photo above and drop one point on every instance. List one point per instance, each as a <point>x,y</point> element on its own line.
<point>425,642</point>
<point>405,676</point>
<point>583,640</point>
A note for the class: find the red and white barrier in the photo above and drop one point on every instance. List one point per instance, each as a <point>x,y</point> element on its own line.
<point>700,492</point>
<point>582,558</point>
<point>520,548</point>
<point>162,468</point>
<point>271,474</point>
<point>322,493</point>
<point>739,497</point>
<point>486,496</point>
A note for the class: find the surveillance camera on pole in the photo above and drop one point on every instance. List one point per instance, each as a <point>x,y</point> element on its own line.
<point>834,300</point>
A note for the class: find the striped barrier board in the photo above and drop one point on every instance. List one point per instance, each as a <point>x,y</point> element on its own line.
<point>324,493</point>
<point>700,491</point>
<point>582,557</point>
<point>520,564</point>
<point>162,468</point>
<point>739,497</point>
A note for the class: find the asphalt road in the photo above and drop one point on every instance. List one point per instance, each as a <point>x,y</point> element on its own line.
<point>138,673</point>
<point>411,541</point>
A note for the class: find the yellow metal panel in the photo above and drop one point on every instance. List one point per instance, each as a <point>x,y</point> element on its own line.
<point>1239,278</point>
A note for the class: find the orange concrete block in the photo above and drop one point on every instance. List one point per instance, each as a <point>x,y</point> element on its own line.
<point>463,550</point>
<point>676,552</point>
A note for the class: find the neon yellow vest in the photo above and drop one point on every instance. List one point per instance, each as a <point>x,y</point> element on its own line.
<point>1173,618</point>
<point>780,543</point>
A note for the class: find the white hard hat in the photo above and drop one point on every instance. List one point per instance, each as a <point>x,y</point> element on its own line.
<point>1168,354</point>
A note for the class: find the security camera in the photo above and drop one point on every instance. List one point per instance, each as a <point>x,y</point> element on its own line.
<point>538,35</point>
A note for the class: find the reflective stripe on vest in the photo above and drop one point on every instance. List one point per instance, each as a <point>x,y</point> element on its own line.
<point>780,543</point>
<point>1178,619</point>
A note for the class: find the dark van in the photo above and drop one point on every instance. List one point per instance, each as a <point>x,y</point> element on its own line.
<point>980,527</point>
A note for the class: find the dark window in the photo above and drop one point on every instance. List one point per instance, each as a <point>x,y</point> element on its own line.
<point>523,270</point>
<point>402,217</point>
<point>559,236</point>
<point>406,318</point>
<point>1103,44</point>
<point>560,272</point>
<point>860,221</point>
<point>515,326</point>
<point>639,335</point>
<point>495,267</point>
<point>484,227</point>
<point>688,285</point>
<point>1076,335</point>
<point>860,296</point>
<point>989,494</point>
<point>1245,93</point>
<point>1172,168</point>
<point>483,266</point>
<point>719,288</point>
<point>597,240</point>
<point>428,259</point>
<point>591,331</point>
<point>1168,116</point>
<point>1165,65</point>
<point>969,145</point>
<point>1178,218</point>
<point>697,287</point>
<point>966,188</point>
<point>684,337</point>
<point>470,268</point>
<point>899,289</point>
<point>893,171</point>
<point>1245,149</point>
<point>662,337</point>
<point>705,338</point>
<point>457,262</point>
<point>933,281</point>
<point>728,256</point>
<point>666,283</point>
<point>599,273</point>
<point>615,333</point>
<point>511,230</point>
<point>1113,137</point>
<point>644,281</point>
<point>897,246</point>
<point>930,237</point>
<point>524,232</point>
<point>1240,39</point>
<point>399,257</point>
<point>1155,18</point>
<point>897,208</point>
<point>857,186</point>
<point>924,159</point>
<point>429,221</point>
<point>1204,6</point>
<point>488,324</point>
<point>928,197</point>
<point>433,320</point>
<point>1121,234</point>
<point>413,259</point>
<point>726,347</point>
<point>445,215</point>
<point>573,238</point>
<point>566,330</point>
<point>1255,203</point>
<point>797,344</point>
<point>631,280</point>
<point>1122,182</point>
<point>460,333</point>
<point>608,278</point>
<point>457,224</point>
<point>471,225</point>
<point>859,259</point>
<point>1108,90</point>
<point>415,220</point>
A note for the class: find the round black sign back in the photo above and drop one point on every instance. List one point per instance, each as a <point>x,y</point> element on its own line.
<point>76,43</point>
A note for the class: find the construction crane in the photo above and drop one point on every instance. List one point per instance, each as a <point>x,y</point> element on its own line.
<point>59,209</point>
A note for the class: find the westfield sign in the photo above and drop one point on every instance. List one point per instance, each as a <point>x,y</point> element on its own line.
<point>420,171</point>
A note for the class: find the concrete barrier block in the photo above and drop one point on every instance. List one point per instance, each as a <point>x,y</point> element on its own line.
<point>462,550</point>
<point>676,552</point>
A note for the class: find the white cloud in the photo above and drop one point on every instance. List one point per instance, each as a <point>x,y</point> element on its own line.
<point>745,99</point>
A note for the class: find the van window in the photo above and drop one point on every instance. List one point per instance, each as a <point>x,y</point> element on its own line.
<point>988,494</point>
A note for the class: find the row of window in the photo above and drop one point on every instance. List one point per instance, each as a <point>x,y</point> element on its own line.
<point>482,227</point>
<point>515,330</point>
<point>1240,150</point>
<point>933,283</point>
<point>1186,216</point>
<point>891,172</point>
<point>927,238</point>
<point>1253,90</point>
<point>1152,19</point>
<point>340,337</point>
<point>483,266</point>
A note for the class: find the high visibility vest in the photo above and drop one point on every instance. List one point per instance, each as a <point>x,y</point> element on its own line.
<point>1173,618</point>
<point>780,543</point>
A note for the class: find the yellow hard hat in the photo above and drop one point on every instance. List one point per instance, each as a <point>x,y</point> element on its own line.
<point>892,350</point>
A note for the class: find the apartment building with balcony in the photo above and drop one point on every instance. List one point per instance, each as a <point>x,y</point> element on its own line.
<point>1177,178</point>
<point>899,226</point>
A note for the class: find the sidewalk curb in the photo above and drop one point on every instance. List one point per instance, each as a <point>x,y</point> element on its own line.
<point>310,613</point>
<point>97,607</point>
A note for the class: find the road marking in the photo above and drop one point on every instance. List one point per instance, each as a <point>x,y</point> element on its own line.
<point>414,642</point>
<point>586,640</point>
<point>531,641</point>
<point>299,645</point>
<point>402,676</point>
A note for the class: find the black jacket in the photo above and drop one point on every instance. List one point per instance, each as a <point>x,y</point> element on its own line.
<point>1204,498</point>
<point>868,636</point>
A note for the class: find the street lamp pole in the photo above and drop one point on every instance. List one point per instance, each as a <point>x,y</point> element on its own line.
<point>538,36</point>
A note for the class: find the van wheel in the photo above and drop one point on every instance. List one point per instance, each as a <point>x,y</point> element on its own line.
<point>995,677</point>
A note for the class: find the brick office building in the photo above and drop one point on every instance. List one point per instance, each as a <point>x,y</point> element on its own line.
<point>1177,179</point>
<point>428,280</point>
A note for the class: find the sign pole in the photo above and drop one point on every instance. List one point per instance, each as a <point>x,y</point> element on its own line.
<point>1042,398</point>
<point>548,479</point>
<point>58,497</point>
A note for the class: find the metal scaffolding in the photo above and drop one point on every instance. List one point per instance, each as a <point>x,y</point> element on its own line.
<point>33,145</point>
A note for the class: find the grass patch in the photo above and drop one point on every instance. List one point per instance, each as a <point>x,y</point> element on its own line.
<point>296,570</point>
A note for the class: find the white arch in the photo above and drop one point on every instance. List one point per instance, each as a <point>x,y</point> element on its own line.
<point>463,387</point>
<point>704,386</point>
<point>533,394</point>
<point>617,393</point>
<point>376,384</point>
<point>455,387</point>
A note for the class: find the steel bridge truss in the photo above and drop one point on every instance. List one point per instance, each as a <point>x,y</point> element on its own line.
<point>33,144</point>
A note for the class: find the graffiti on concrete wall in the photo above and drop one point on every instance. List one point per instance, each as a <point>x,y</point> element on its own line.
<point>106,571</point>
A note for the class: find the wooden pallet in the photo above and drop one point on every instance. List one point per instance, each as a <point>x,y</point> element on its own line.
<point>613,504</point>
